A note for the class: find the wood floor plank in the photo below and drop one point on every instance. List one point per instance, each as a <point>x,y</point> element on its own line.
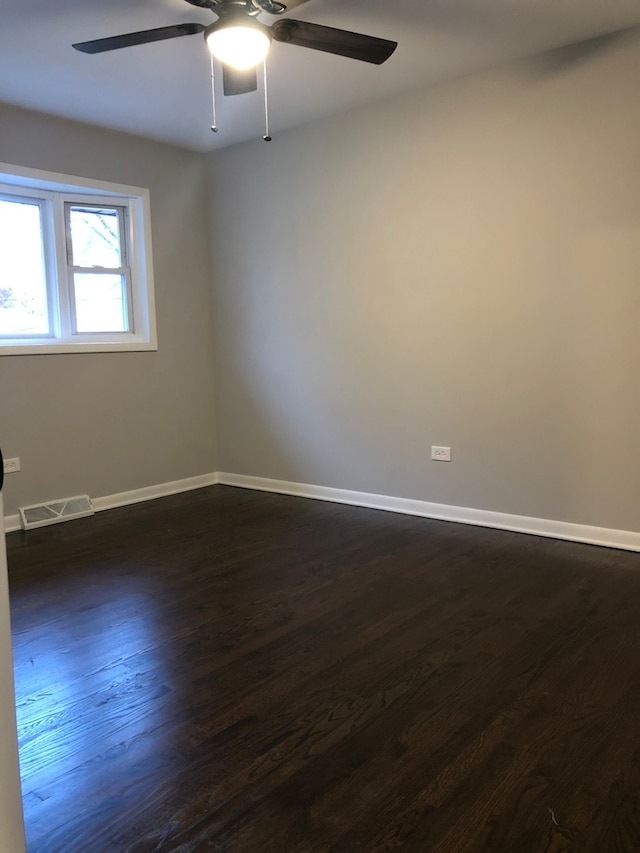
<point>237,671</point>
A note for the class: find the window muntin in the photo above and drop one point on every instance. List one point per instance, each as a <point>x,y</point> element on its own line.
<point>88,263</point>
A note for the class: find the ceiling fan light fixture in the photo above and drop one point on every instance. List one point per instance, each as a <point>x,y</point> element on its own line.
<point>240,45</point>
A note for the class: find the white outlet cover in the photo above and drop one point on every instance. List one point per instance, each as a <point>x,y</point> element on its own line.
<point>440,454</point>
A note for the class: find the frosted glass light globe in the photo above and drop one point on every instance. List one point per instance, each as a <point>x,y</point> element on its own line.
<point>239,46</point>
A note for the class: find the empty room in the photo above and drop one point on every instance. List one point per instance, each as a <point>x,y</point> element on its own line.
<point>319,364</point>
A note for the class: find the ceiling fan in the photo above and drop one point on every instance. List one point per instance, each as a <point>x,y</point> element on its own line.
<point>241,43</point>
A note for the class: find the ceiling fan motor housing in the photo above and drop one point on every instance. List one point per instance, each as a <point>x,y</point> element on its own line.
<point>235,18</point>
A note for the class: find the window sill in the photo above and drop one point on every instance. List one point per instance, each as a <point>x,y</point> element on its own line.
<point>66,347</point>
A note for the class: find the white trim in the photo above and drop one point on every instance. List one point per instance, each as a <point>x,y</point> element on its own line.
<point>54,189</point>
<point>625,539</point>
<point>60,182</point>
<point>148,493</point>
<point>11,523</point>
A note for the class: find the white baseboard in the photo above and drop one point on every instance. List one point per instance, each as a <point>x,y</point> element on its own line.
<point>625,539</point>
<point>11,523</point>
<point>147,493</point>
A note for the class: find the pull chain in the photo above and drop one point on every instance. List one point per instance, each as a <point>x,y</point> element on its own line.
<point>214,126</point>
<point>266,136</point>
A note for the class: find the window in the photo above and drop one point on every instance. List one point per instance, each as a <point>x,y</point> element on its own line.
<point>75,265</point>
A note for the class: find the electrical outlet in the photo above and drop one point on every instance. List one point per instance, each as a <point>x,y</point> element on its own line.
<point>11,465</point>
<point>441,454</point>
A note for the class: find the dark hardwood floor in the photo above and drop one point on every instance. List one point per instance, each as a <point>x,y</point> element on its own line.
<point>242,672</point>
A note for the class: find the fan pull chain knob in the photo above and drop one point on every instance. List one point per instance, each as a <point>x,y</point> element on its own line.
<point>214,126</point>
<point>266,136</point>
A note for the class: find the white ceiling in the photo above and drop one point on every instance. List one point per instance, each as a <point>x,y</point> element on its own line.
<point>162,90</point>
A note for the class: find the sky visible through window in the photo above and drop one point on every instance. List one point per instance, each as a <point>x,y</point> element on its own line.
<point>23,290</point>
<point>100,297</point>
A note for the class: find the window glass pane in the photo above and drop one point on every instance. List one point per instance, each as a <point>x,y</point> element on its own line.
<point>101,302</point>
<point>95,236</point>
<point>23,284</point>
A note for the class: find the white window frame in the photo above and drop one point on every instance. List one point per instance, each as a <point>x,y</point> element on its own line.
<point>124,270</point>
<point>52,191</point>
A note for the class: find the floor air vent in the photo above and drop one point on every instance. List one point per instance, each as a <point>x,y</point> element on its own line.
<point>39,515</point>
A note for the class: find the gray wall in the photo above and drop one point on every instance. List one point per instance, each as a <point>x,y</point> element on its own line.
<point>458,267</point>
<point>106,423</point>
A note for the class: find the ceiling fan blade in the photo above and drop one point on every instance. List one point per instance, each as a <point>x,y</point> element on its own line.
<point>143,37</point>
<point>339,42</point>
<point>239,82</point>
